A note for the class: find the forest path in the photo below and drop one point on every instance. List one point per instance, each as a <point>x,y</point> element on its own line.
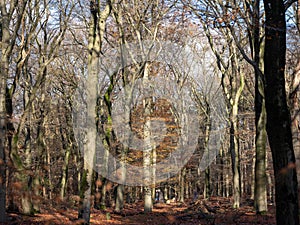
<point>216,210</point>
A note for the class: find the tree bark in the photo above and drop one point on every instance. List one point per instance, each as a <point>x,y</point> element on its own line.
<point>278,115</point>
<point>2,140</point>
<point>234,142</point>
<point>3,79</point>
<point>294,98</point>
<point>260,184</point>
<point>206,192</point>
<point>96,32</point>
<point>147,151</point>
<point>181,185</point>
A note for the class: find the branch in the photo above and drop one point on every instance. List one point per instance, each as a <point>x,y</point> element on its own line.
<point>288,3</point>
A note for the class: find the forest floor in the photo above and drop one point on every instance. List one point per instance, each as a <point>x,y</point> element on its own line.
<point>214,210</point>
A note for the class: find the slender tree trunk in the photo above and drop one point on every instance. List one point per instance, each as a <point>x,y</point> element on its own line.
<point>206,192</point>
<point>147,151</point>
<point>103,194</point>
<point>2,161</point>
<point>234,142</point>
<point>68,139</point>
<point>122,167</point>
<point>48,163</point>
<point>253,179</point>
<point>166,193</point>
<point>278,115</point>
<point>182,185</point>
<point>153,177</point>
<point>3,78</point>
<point>64,177</point>
<point>260,190</point>
<point>235,160</point>
<point>295,115</point>
<point>26,179</point>
<point>234,146</point>
<point>119,198</point>
<point>260,181</point>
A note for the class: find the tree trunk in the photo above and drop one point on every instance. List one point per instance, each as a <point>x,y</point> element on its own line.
<point>147,151</point>
<point>234,142</point>
<point>260,181</point>
<point>206,192</point>
<point>2,142</point>
<point>67,137</point>
<point>103,194</point>
<point>260,189</point>
<point>119,198</point>
<point>64,177</point>
<point>294,98</point>
<point>278,115</point>
<point>182,185</point>
<point>3,70</point>
<point>2,163</point>
<point>235,160</point>
<point>96,31</point>
<point>166,193</point>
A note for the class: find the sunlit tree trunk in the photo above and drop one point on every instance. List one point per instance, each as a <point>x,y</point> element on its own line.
<point>237,86</point>
<point>182,185</point>
<point>147,151</point>
<point>235,151</point>
<point>96,32</point>
<point>206,192</point>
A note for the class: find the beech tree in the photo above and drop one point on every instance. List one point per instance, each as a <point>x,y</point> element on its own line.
<point>8,41</point>
<point>48,47</point>
<point>278,115</point>
<point>97,25</point>
<point>293,78</point>
<point>233,83</point>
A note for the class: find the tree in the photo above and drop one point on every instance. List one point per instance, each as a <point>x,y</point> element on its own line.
<point>96,33</point>
<point>233,84</point>
<point>3,78</point>
<point>278,116</point>
<point>135,21</point>
<point>225,16</point>
<point>293,77</point>
<point>8,41</point>
<point>148,148</point>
